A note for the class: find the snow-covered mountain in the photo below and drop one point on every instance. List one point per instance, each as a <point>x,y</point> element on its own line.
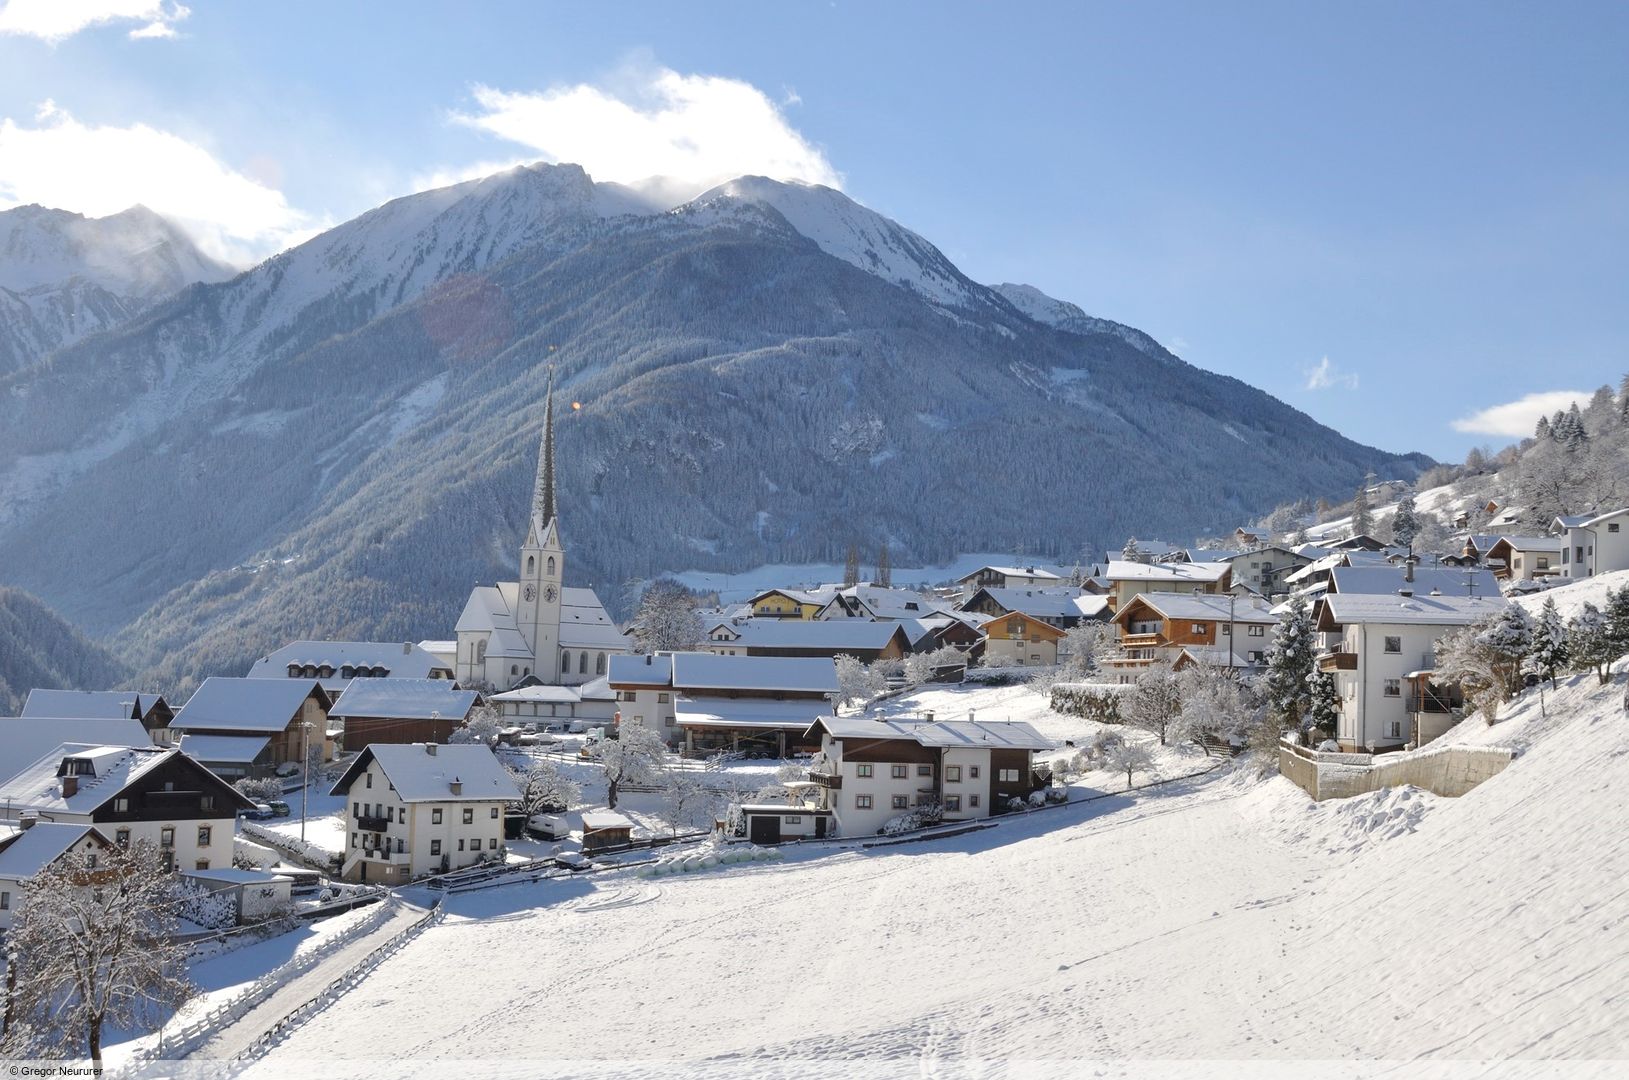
<point>64,276</point>
<point>1066,316</point>
<point>767,373</point>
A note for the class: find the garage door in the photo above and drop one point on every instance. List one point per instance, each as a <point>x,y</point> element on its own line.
<point>766,829</point>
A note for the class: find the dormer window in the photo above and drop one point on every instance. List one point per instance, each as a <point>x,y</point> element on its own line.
<point>294,671</point>
<point>347,672</point>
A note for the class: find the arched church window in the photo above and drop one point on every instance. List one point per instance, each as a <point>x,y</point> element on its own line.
<point>514,669</point>
<point>582,664</point>
<point>565,661</point>
<point>551,565</point>
<point>531,565</point>
<point>599,664</point>
<point>480,652</point>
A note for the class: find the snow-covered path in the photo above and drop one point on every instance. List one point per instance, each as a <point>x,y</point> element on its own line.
<point>242,1034</point>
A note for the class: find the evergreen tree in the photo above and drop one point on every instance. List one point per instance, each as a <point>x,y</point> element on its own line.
<point>1508,638</point>
<point>1321,710</point>
<point>1588,643</point>
<point>1131,552</point>
<point>885,572</point>
<point>1290,663</point>
<point>1617,619</point>
<point>1361,515</point>
<point>1549,653</point>
<point>1405,523</point>
<point>1542,431</point>
<point>851,568</point>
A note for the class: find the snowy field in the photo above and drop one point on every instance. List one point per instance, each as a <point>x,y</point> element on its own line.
<point>1220,918</point>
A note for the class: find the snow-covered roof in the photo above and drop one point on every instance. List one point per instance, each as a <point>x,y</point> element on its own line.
<point>594,820</point>
<point>426,772</point>
<point>799,674</point>
<point>997,735</point>
<point>595,690</point>
<point>396,659</point>
<point>105,771</point>
<point>816,597</point>
<point>235,749</point>
<point>1448,580</point>
<point>90,704</point>
<point>235,876</point>
<point>1207,608</point>
<point>1445,610</point>
<point>1034,572</point>
<point>644,670</point>
<point>1585,521</point>
<point>1121,570</point>
<point>1090,606</point>
<point>876,602</point>
<point>26,852</point>
<point>403,699</point>
<point>1041,603</point>
<point>1530,543</point>
<point>584,623</point>
<point>835,634</point>
<point>436,646</point>
<point>24,739</point>
<point>244,704</point>
<point>795,715</point>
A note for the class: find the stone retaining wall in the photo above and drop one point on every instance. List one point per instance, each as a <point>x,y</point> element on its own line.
<point>1442,770</point>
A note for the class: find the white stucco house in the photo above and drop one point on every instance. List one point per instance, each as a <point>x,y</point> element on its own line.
<point>1595,543</point>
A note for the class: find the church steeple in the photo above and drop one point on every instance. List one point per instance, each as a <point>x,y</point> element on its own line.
<point>543,494</point>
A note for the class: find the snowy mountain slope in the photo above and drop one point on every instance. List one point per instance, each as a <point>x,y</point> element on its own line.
<point>64,276</point>
<point>39,649</point>
<point>1066,316</point>
<point>1229,918</point>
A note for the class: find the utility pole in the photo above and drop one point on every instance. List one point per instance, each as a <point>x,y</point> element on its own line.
<point>305,774</point>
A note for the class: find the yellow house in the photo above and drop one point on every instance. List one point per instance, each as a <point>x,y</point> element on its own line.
<point>790,603</point>
<point>1021,640</point>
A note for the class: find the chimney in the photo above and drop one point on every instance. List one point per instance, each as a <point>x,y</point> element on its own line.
<point>456,785</point>
<point>647,660</point>
<point>70,786</point>
<point>430,748</point>
<point>407,648</point>
<point>1408,570</point>
<point>970,716</point>
<point>26,821</point>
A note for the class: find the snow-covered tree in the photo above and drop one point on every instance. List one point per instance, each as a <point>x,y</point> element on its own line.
<point>260,789</point>
<point>1479,671</point>
<point>93,945</point>
<point>1130,757</point>
<point>1085,647</point>
<point>885,568</point>
<point>919,667</point>
<point>483,726</point>
<point>1589,643</point>
<point>1322,713</point>
<point>1405,523</point>
<point>1549,653</point>
<point>851,567</point>
<point>638,755</point>
<point>689,803</point>
<point>1290,661</point>
<point>1155,702</point>
<point>857,681</point>
<point>1508,638</point>
<point>544,789</point>
<point>1362,513</point>
<point>1214,705</point>
<point>667,620</point>
<point>1616,613</point>
<point>1131,552</point>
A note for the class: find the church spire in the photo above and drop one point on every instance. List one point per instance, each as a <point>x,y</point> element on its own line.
<point>543,494</point>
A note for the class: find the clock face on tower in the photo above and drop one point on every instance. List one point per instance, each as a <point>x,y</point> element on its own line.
<point>531,592</point>
<point>549,593</point>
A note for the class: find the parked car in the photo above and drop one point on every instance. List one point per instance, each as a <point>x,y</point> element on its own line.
<point>577,727</point>
<point>258,812</point>
<point>278,808</point>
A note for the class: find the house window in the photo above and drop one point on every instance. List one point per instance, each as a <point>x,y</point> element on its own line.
<point>582,664</point>
<point>531,564</point>
<point>353,839</point>
<point>460,843</point>
<point>1543,562</point>
<point>1258,631</point>
<point>1227,630</point>
<point>1394,729</point>
<point>5,901</point>
<point>204,832</point>
<point>1015,627</point>
<point>494,813</point>
<point>492,843</point>
<point>953,774</point>
<point>901,802</point>
<point>1394,688</point>
<point>122,838</point>
<point>972,802</point>
<point>953,802</point>
<point>924,770</point>
<point>863,771</point>
<point>201,864</point>
<point>469,815</point>
<point>166,837</point>
<point>1196,628</point>
<point>565,662</point>
<point>206,802</point>
<point>792,819</point>
<point>435,847</point>
<point>599,664</point>
<point>663,699</point>
<point>1394,644</point>
<point>1612,527</point>
<point>862,802</point>
<point>1007,776</point>
<point>972,772</point>
<point>121,806</point>
<point>900,772</point>
<point>369,782</point>
<point>435,817</point>
<point>401,845</point>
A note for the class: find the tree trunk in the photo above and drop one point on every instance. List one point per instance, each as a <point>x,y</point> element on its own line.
<point>611,794</point>
<point>93,1042</point>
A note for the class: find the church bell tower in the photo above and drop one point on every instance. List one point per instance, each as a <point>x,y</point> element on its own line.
<point>542,562</point>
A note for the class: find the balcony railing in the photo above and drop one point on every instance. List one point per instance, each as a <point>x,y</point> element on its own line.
<point>1338,661</point>
<point>371,823</point>
<point>826,780</point>
<point>1431,702</point>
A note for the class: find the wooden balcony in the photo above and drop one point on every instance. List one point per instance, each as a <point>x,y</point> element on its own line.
<point>371,823</point>
<point>1141,641</point>
<point>826,780</point>
<point>1338,661</point>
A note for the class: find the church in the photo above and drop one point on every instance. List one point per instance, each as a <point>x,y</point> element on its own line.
<point>536,628</point>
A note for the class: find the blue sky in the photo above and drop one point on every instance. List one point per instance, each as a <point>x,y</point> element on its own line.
<point>1395,217</point>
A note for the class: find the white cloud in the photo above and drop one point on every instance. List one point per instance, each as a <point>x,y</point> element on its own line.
<point>1516,419</point>
<point>57,20</point>
<point>1326,376</point>
<point>655,122</point>
<point>96,171</point>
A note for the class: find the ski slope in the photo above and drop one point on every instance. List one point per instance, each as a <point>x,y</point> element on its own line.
<point>1220,918</point>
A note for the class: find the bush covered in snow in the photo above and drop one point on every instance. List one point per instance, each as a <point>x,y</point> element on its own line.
<point>1099,702</point>
<point>920,818</point>
<point>260,790</point>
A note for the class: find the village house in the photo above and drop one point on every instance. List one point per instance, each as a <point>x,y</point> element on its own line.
<point>593,703</point>
<point>708,703</point>
<point>1008,577</point>
<point>860,638</point>
<point>1263,568</point>
<point>335,663</point>
<point>421,808</point>
<point>24,739</point>
<point>152,710</point>
<point>1019,640</point>
<point>133,795</point>
<point>391,710</point>
<point>791,603</point>
<point>1593,543</point>
<point>1381,641</point>
<point>248,727</point>
<point>255,895</point>
<point>1063,607</point>
<point>29,846</point>
<point>1525,558</point>
<point>1225,631</point>
<point>869,771</point>
<point>1128,579</point>
<point>881,604</point>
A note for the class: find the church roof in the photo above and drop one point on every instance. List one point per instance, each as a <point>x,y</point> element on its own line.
<point>584,623</point>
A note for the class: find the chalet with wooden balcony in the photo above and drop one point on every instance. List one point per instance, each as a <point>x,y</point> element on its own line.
<point>1127,579</point>
<point>1227,631</point>
<point>706,703</point>
<point>1021,640</point>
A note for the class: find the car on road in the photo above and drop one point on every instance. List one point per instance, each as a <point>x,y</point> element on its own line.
<point>258,812</point>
